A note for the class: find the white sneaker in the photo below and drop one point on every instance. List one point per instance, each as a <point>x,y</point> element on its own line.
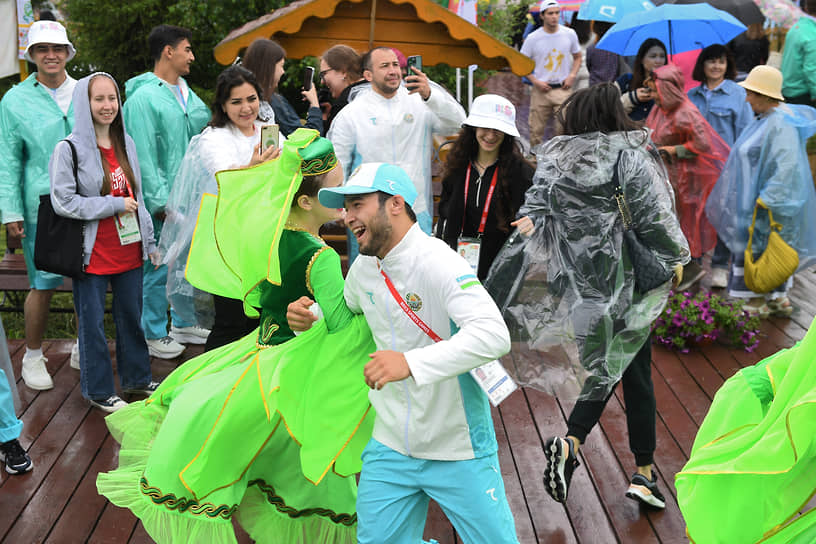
<point>719,278</point>
<point>189,335</point>
<point>164,348</point>
<point>35,375</point>
<point>75,356</point>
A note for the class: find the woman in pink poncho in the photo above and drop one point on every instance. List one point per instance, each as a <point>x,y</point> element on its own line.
<point>694,155</point>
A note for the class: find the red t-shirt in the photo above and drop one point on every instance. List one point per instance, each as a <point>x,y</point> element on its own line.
<point>109,256</point>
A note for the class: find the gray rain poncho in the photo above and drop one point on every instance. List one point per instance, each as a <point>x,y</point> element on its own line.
<point>567,292</point>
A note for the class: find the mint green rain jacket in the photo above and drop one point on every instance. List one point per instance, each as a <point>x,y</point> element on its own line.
<point>161,130</point>
<point>31,125</point>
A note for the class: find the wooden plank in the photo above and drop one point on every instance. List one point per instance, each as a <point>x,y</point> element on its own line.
<point>44,508</point>
<point>115,526</point>
<point>667,524</point>
<point>56,431</point>
<point>81,514</point>
<point>584,510</point>
<point>694,399</point>
<point>512,484</point>
<point>670,410</point>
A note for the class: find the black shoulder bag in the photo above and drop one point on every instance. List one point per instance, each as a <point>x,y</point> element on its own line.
<point>649,271</point>
<point>58,246</point>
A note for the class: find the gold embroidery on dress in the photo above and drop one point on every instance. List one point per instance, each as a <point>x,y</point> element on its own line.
<point>309,268</point>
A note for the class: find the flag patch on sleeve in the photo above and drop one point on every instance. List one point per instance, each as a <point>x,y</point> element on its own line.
<point>468,280</point>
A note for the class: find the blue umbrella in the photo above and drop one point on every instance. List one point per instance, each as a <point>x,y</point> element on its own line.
<point>681,28</point>
<point>611,11</point>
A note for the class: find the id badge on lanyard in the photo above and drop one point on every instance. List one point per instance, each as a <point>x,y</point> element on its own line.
<point>470,247</point>
<point>127,225</point>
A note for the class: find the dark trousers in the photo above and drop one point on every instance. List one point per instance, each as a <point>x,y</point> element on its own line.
<point>801,99</point>
<point>230,323</point>
<point>638,395</point>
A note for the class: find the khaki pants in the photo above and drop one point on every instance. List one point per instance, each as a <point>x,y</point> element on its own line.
<point>542,107</point>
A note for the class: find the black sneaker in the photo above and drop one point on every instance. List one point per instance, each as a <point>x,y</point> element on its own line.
<point>109,405</point>
<point>15,457</point>
<point>641,489</point>
<point>561,463</point>
<point>148,389</point>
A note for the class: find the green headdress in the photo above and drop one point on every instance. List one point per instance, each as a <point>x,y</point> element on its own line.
<point>235,245</point>
<point>318,157</point>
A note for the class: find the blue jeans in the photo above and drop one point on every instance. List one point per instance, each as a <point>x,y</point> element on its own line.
<point>132,358</point>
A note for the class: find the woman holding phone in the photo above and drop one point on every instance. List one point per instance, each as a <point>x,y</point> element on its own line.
<point>231,140</point>
<point>265,58</point>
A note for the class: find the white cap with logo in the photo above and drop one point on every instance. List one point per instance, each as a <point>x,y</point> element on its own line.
<point>48,32</point>
<point>493,111</point>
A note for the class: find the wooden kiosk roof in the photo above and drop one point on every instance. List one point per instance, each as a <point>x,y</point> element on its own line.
<point>415,27</point>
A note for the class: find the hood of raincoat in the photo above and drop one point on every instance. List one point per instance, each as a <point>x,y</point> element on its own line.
<point>83,134</point>
<point>567,292</point>
<point>669,81</point>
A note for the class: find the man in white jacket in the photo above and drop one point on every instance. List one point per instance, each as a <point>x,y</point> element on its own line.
<point>432,322</point>
<point>394,123</point>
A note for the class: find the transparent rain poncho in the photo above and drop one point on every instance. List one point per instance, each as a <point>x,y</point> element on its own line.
<point>567,292</point>
<point>213,150</point>
<point>769,161</point>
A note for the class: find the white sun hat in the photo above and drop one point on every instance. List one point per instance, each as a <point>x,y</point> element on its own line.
<point>48,32</point>
<point>493,111</point>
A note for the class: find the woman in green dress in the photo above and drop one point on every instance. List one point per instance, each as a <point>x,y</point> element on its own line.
<point>265,428</point>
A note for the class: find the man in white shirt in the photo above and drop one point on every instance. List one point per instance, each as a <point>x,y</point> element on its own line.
<point>34,116</point>
<point>394,123</point>
<point>432,322</point>
<point>557,55</point>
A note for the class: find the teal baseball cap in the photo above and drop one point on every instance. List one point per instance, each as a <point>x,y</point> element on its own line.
<point>370,178</point>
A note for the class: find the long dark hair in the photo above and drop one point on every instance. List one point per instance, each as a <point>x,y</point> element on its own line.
<point>595,109</point>
<point>232,77</point>
<point>638,74</point>
<point>466,148</point>
<point>260,58</point>
<point>117,136</point>
<point>714,51</point>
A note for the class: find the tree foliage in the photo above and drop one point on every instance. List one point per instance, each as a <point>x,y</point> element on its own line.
<point>112,36</point>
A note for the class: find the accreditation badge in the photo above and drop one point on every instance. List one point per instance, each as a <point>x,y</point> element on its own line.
<point>470,248</point>
<point>495,381</point>
<point>127,225</point>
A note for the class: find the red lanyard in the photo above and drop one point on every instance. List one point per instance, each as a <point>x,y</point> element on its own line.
<point>483,222</point>
<point>408,311</point>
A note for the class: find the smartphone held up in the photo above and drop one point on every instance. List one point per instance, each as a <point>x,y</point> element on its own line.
<point>308,78</point>
<point>270,137</point>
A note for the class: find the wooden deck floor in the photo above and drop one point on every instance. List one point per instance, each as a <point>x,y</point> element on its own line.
<point>57,502</point>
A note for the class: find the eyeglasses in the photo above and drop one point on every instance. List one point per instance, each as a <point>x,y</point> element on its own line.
<point>323,73</point>
<point>42,48</point>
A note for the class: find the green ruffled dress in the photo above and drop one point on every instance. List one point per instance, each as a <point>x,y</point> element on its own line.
<point>752,470</point>
<point>269,428</point>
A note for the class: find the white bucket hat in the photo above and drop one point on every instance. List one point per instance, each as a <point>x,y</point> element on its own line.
<point>493,111</point>
<point>48,32</point>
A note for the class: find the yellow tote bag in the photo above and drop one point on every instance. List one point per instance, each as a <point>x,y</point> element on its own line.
<point>776,264</point>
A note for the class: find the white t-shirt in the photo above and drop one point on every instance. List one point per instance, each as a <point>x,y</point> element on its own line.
<point>552,53</point>
<point>63,94</point>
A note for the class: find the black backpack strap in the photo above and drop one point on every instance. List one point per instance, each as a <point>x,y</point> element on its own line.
<point>75,162</point>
